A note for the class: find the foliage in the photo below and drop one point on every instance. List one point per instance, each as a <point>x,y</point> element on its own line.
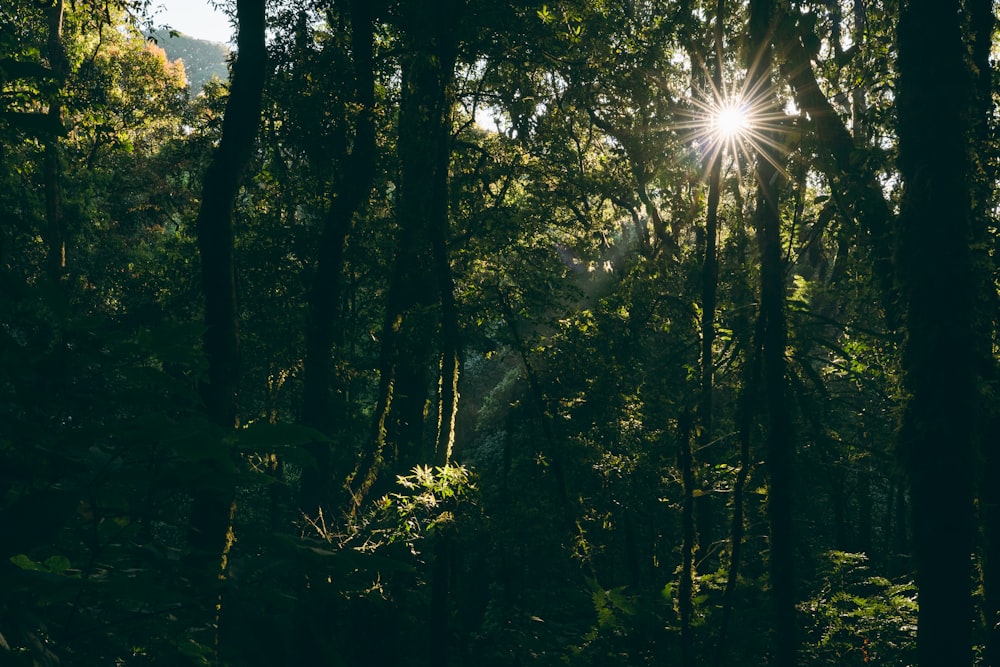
<point>856,617</point>
<point>426,506</point>
<point>587,469</point>
<point>203,60</point>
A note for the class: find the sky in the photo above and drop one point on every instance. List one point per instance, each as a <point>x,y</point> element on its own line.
<point>195,18</point>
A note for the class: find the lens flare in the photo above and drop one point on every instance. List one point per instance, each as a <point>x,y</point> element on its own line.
<point>730,120</point>
<point>742,122</point>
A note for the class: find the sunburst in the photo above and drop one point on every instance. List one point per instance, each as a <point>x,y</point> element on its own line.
<point>741,121</point>
<point>730,120</point>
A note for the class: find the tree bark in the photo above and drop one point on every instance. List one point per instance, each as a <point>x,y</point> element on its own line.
<point>420,301</point>
<point>709,289</point>
<point>983,22</point>
<point>938,425</point>
<point>746,410</point>
<point>55,232</point>
<point>685,587</point>
<point>210,533</point>
<point>450,356</point>
<point>222,182</point>
<point>704,434</point>
<point>349,194</point>
<point>416,284</point>
<point>780,446</point>
<point>210,513</point>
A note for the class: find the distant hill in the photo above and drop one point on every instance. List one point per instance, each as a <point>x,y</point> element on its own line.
<point>202,59</point>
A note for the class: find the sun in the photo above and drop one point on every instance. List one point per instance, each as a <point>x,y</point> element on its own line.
<point>739,121</point>
<point>730,120</point>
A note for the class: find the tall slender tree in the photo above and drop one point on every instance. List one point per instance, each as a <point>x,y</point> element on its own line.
<point>939,421</point>
<point>763,21</point>
<point>352,185</point>
<point>420,285</point>
<point>982,22</point>
<point>55,232</point>
<point>221,183</point>
<point>213,494</point>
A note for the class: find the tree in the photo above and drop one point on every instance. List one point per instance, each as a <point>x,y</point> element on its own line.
<point>421,281</point>
<point>780,445</point>
<point>982,24</point>
<point>352,184</point>
<point>213,495</point>
<point>677,430</point>
<point>939,350</point>
<point>55,220</point>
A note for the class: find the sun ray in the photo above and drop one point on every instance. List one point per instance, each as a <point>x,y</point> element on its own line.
<point>740,121</point>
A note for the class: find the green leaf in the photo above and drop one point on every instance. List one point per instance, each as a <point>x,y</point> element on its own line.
<point>57,564</point>
<point>52,564</point>
<point>25,563</point>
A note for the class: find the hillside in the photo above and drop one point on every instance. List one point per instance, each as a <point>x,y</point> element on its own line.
<point>202,59</point>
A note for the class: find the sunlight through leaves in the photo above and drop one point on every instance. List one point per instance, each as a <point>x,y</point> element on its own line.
<point>742,122</point>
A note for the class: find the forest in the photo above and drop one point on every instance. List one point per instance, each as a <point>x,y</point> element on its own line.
<point>444,333</point>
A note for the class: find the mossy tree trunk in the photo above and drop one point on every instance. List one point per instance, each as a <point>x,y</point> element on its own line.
<point>213,490</point>
<point>421,270</point>
<point>979,14</point>
<point>356,173</point>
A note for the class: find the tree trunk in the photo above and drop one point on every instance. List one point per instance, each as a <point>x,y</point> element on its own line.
<point>864,494</point>
<point>938,425</point>
<point>416,287</point>
<point>983,22</point>
<point>450,359</point>
<point>838,505</point>
<point>213,495</point>
<point>685,587</point>
<point>704,505</point>
<point>900,526</point>
<point>745,426</point>
<point>444,443</point>
<point>421,300</point>
<point>350,192</point>
<point>746,410</point>
<point>222,181</point>
<point>780,446</point>
<point>55,232</point>
<point>438,637</point>
<point>709,288</point>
